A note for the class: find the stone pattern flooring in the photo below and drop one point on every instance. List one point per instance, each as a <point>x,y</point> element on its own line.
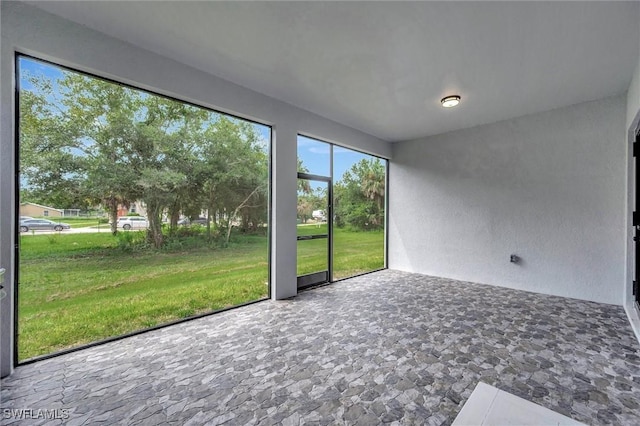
<point>388,347</point>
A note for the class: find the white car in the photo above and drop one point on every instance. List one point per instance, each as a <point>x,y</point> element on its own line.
<point>132,222</point>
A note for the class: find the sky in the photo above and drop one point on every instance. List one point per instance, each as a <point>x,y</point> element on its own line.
<point>36,68</point>
<point>315,154</point>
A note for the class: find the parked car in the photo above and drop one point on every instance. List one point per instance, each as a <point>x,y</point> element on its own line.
<point>132,222</point>
<point>25,218</point>
<point>42,224</point>
<point>187,221</point>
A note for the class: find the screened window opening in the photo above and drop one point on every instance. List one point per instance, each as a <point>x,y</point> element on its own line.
<point>341,212</point>
<point>170,207</point>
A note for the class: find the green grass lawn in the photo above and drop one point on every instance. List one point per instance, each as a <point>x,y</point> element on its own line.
<point>82,222</point>
<point>79,288</point>
<point>353,252</point>
<point>357,252</point>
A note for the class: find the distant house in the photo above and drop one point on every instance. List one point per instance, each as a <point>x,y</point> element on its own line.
<point>38,210</point>
<point>135,207</point>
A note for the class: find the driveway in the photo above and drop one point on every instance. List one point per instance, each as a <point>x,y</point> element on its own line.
<point>86,230</point>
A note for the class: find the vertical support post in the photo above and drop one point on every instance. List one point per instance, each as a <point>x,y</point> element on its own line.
<point>8,183</point>
<point>283,214</point>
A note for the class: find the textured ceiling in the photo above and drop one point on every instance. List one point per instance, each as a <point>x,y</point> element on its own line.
<point>382,67</point>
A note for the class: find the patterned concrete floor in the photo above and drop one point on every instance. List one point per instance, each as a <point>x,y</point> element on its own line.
<point>389,347</point>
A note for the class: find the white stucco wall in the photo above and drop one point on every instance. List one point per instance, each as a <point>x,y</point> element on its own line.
<point>548,187</point>
<point>633,95</point>
<point>29,30</point>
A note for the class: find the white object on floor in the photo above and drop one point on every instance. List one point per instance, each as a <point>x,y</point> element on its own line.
<point>491,406</point>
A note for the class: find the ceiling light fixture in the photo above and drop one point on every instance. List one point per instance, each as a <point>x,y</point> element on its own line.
<point>450,101</point>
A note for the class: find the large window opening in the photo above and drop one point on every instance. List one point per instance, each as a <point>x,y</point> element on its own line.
<point>341,217</point>
<point>170,207</point>
<point>359,213</point>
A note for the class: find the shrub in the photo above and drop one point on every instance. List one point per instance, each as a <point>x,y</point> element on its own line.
<point>132,241</point>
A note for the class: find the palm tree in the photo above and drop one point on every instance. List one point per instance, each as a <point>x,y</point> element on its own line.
<point>373,184</point>
<point>303,184</point>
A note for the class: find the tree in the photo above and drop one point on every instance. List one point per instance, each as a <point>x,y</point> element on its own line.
<point>303,184</point>
<point>305,200</point>
<point>373,184</point>
<point>304,209</point>
<point>315,199</point>
<point>161,154</point>
<point>74,134</point>
<point>47,163</point>
<point>234,173</point>
<point>100,122</point>
<point>359,196</point>
<point>86,140</point>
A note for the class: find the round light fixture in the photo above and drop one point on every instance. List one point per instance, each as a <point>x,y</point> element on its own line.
<point>450,101</point>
